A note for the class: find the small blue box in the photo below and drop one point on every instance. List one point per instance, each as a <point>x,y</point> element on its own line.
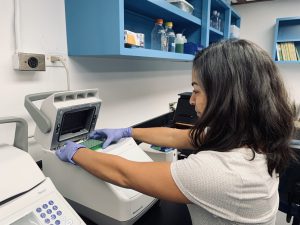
<point>191,48</point>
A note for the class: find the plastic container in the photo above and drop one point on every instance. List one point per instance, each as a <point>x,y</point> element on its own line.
<point>214,20</point>
<point>179,43</point>
<point>184,39</point>
<point>158,36</point>
<point>170,36</point>
<point>220,22</point>
<point>183,5</point>
<point>234,31</point>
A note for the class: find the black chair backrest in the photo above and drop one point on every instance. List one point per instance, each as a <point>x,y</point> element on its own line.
<point>289,190</point>
<point>290,177</point>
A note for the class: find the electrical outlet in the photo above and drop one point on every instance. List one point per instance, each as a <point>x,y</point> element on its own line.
<point>29,62</point>
<point>56,63</point>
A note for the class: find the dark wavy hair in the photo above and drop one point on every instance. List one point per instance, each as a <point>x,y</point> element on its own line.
<point>247,104</point>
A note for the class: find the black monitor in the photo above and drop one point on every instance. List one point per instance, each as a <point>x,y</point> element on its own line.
<point>76,122</point>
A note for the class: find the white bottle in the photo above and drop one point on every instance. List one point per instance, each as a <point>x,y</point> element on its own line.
<point>179,42</point>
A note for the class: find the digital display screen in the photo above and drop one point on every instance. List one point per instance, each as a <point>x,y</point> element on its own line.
<point>29,219</point>
<point>77,120</point>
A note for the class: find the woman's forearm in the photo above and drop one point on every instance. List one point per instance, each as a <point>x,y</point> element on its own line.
<point>104,166</point>
<point>151,178</point>
<point>163,136</point>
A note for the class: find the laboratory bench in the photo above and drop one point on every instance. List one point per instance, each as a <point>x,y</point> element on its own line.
<point>161,213</point>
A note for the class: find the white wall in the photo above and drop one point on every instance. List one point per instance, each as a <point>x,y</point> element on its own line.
<point>132,90</point>
<point>257,24</point>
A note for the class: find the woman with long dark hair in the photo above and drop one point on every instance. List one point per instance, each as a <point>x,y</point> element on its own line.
<point>240,142</point>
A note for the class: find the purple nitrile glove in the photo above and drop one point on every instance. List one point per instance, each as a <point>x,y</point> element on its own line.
<point>67,152</point>
<point>111,135</point>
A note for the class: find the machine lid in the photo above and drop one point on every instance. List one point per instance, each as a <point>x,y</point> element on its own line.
<point>18,172</point>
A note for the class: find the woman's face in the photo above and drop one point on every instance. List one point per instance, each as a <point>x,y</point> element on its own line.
<point>198,98</point>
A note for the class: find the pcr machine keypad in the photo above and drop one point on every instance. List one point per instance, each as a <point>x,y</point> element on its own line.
<point>50,213</point>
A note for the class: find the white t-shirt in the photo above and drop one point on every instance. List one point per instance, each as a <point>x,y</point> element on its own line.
<point>228,187</point>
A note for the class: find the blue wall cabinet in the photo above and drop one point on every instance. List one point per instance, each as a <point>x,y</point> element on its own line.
<point>286,48</point>
<point>96,27</point>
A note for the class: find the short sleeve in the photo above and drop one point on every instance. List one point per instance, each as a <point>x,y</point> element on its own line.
<point>209,182</point>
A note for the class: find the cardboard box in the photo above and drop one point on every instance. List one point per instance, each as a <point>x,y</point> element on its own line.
<point>134,39</point>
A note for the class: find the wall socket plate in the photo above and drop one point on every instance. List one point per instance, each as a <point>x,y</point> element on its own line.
<point>29,62</point>
<point>57,63</point>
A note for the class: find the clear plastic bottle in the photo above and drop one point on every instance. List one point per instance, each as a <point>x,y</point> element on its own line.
<point>158,36</point>
<point>220,22</point>
<point>214,19</point>
<point>170,36</point>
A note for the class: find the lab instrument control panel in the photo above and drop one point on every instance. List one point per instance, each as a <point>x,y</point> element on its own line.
<point>41,206</point>
<point>51,213</point>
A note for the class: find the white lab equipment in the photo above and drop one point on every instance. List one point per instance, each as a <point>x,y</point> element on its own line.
<point>26,195</point>
<point>234,31</point>
<point>71,115</point>
<point>158,155</point>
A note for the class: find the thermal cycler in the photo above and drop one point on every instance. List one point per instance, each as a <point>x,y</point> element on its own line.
<point>27,197</point>
<point>72,115</point>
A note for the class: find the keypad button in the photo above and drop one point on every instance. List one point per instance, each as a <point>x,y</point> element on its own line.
<point>43,215</point>
<point>45,206</point>
<point>57,222</point>
<point>47,221</point>
<point>49,211</point>
<point>38,210</point>
<point>55,207</point>
<point>53,217</point>
<point>59,213</point>
<point>50,202</point>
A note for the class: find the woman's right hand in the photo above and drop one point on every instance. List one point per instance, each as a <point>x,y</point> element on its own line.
<point>111,135</point>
